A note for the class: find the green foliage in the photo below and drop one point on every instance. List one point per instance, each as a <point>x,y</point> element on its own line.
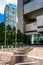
<point>2,33</point>
<point>19,36</point>
<point>10,34</point>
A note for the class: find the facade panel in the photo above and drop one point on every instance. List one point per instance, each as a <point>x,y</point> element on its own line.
<point>40,23</point>
<point>31,26</point>
<point>32,6</point>
<point>29,11</point>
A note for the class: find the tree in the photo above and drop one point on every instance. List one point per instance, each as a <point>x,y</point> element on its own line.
<point>2,33</point>
<point>10,35</point>
<point>19,36</point>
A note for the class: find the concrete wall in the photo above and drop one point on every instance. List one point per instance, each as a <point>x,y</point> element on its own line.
<point>32,6</point>
<point>20,15</point>
<point>40,23</point>
<point>28,8</point>
<point>34,25</point>
<point>31,26</point>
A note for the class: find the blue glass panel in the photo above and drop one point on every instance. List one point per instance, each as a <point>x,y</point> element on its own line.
<point>40,26</point>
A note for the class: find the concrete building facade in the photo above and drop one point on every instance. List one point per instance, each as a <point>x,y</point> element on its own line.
<point>20,14</point>
<point>30,18</point>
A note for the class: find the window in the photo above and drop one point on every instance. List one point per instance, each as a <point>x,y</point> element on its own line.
<point>26,1</point>
<point>7,7</point>
<point>40,26</point>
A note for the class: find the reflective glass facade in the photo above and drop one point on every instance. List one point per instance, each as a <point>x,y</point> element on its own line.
<point>34,39</point>
<point>10,12</point>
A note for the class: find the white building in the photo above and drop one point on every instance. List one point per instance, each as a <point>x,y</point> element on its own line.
<point>30,18</point>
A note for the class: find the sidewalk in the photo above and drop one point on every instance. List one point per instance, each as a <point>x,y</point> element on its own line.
<point>36,53</point>
<point>5,57</point>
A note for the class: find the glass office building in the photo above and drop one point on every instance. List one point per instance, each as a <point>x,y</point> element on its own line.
<point>10,20</point>
<point>10,14</point>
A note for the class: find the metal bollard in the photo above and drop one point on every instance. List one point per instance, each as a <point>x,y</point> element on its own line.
<point>2,47</point>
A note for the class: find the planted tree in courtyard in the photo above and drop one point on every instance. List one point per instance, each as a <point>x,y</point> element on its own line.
<point>2,33</point>
<point>10,35</point>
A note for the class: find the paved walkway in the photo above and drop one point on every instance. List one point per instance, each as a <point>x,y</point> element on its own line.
<point>5,57</point>
<point>36,53</point>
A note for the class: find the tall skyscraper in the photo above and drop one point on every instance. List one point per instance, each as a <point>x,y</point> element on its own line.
<point>10,14</point>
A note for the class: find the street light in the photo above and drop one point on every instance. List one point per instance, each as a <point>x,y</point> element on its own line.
<point>16,32</point>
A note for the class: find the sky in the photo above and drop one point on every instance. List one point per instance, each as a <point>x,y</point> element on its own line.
<point>2,6</point>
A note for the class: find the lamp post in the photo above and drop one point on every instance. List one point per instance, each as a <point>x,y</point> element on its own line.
<point>16,36</point>
<point>16,32</point>
<point>5,34</point>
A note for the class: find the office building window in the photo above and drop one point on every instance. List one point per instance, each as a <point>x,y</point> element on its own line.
<point>40,26</point>
<point>26,1</point>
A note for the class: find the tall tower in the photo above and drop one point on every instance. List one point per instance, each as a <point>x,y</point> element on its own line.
<point>10,14</point>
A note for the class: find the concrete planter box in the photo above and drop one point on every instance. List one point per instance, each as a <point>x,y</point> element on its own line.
<point>19,58</point>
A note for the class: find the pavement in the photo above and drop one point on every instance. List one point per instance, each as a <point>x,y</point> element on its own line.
<point>35,54</point>
<point>5,57</point>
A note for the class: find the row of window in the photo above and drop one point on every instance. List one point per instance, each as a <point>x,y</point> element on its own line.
<point>26,1</point>
<point>40,26</point>
<point>10,11</point>
<point>35,39</point>
<point>7,7</point>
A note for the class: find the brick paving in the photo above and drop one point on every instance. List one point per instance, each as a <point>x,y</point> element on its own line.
<point>36,53</point>
<point>5,58</point>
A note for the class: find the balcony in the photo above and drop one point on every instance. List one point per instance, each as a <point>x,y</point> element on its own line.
<point>32,6</point>
<point>31,26</point>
